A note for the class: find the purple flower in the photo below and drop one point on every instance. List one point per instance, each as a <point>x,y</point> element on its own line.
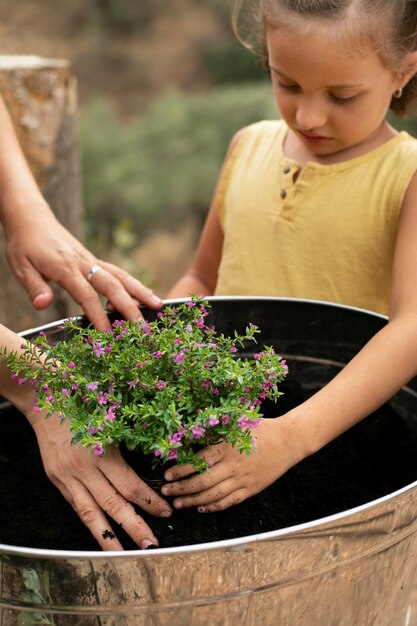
<point>246,422</point>
<point>213,420</point>
<point>98,449</point>
<point>110,413</point>
<point>146,328</point>
<point>197,430</point>
<point>92,386</point>
<point>190,303</point>
<point>66,392</point>
<point>160,385</point>
<point>71,365</point>
<point>158,354</point>
<point>102,397</point>
<point>178,358</point>
<point>173,454</point>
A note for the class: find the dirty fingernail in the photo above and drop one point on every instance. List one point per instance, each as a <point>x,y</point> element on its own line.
<point>168,476</point>
<point>166,514</point>
<point>147,543</point>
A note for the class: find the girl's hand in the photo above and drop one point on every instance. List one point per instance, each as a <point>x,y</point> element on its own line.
<point>233,476</point>
<point>41,251</point>
<point>97,485</point>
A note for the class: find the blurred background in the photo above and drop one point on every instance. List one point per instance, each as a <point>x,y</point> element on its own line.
<point>162,87</point>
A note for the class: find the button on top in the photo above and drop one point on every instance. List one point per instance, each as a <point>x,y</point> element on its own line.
<point>287,169</point>
<point>283,193</point>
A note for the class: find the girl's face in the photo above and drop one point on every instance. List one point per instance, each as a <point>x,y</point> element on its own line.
<point>332,98</point>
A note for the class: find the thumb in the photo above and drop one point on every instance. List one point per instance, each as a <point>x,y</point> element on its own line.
<point>38,289</point>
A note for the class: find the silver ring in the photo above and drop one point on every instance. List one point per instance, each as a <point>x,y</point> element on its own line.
<point>94,269</point>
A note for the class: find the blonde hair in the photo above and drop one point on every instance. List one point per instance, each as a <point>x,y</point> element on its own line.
<point>388,26</point>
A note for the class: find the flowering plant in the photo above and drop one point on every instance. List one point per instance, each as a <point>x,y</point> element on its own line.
<point>162,386</point>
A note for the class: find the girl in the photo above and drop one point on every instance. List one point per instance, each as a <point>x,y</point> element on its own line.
<point>321,205</point>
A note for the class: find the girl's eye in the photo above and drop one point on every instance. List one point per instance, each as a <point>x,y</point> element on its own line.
<point>343,101</point>
<point>287,87</point>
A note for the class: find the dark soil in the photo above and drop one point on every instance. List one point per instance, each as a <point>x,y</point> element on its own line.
<point>373,459</point>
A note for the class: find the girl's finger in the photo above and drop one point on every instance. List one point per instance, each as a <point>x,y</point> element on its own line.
<point>212,454</point>
<point>214,494</point>
<point>224,503</point>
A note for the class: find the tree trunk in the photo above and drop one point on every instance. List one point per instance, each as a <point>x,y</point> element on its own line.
<point>41,96</point>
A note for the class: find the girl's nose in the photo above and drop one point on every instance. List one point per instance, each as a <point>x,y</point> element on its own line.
<point>310,115</point>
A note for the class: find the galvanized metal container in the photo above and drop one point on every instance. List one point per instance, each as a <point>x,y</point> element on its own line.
<point>356,567</point>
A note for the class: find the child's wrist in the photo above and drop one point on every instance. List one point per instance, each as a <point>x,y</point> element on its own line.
<point>300,440</point>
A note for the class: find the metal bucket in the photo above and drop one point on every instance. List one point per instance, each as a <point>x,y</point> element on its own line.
<point>356,567</point>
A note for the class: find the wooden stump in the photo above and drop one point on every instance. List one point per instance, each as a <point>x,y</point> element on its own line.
<point>41,96</point>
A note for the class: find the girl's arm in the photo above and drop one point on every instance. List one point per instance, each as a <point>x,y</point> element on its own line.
<point>91,485</point>
<point>379,370</point>
<point>39,249</point>
<point>201,277</point>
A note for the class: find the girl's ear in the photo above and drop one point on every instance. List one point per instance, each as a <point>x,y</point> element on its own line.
<point>409,69</point>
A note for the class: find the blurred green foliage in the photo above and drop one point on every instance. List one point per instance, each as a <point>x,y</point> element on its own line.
<point>410,125</point>
<point>226,61</point>
<point>161,168</point>
<point>114,17</point>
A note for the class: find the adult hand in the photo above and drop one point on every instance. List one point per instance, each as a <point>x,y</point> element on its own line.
<point>97,485</point>
<point>41,250</point>
<point>233,476</point>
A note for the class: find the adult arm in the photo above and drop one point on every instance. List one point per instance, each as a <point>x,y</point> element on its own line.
<point>93,485</point>
<point>39,249</point>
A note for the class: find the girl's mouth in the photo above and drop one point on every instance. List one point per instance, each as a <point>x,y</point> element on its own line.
<point>314,138</point>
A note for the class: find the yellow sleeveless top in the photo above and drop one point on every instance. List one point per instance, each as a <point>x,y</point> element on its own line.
<point>328,236</point>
